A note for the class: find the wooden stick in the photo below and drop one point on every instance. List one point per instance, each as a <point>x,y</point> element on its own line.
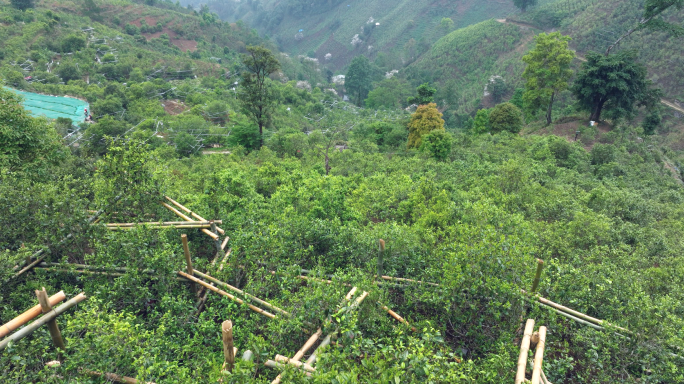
<point>295,363</point>
<point>193,214</point>
<point>223,261</point>
<point>52,324</point>
<point>396,316</point>
<point>275,364</point>
<point>227,337</point>
<point>225,241</point>
<point>537,275</point>
<point>237,290</point>
<point>228,295</point>
<point>42,321</point>
<point>524,348</point>
<point>29,315</point>
<point>539,356</point>
<point>188,260</point>
<point>302,351</point>
<point>114,377</point>
<point>324,343</point>
<point>182,216</point>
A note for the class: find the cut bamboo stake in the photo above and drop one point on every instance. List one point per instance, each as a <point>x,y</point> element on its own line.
<point>52,324</point>
<point>182,216</point>
<point>350,294</point>
<point>524,348</point>
<point>237,290</point>
<point>193,214</point>
<point>539,356</point>
<point>277,365</point>
<point>188,260</point>
<point>42,321</point>
<point>396,316</point>
<point>295,363</point>
<point>227,337</point>
<point>228,295</point>
<point>537,275</point>
<point>114,377</point>
<point>302,351</point>
<point>29,315</point>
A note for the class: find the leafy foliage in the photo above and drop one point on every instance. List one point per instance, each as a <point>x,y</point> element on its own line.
<point>505,117</point>
<point>425,120</point>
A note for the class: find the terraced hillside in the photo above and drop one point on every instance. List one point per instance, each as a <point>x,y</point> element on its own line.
<point>401,29</point>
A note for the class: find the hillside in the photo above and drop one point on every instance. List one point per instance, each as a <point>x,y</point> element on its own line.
<point>400,31</point>
<point>466,59</point>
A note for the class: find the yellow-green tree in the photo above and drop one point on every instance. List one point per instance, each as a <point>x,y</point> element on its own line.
<point>425,120</point>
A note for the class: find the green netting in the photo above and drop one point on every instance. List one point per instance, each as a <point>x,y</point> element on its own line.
<point>53,107</point>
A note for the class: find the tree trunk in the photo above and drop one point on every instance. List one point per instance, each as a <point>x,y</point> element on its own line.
<point>327,162</point>
<point>596,116</point>
<point>548,112</point>
<point>261,134</point>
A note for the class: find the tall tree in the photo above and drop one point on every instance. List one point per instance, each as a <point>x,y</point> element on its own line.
<point>524,4</point>
<point>548,72</point>
<point>358,79</point>
<point>652,19</point>
<point>426,119</point>
<point>22,4</point>
<point>616,83</point>
<point>426,95</point>
<point>257,95</point>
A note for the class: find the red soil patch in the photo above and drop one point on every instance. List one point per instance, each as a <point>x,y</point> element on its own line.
<point>173,107</point>
<point>185,45</point>
<point>151,21</point>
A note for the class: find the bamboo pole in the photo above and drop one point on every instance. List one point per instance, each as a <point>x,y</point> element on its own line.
<point>29,315</point>
<point>228,295</point>
<point>175,226</point>
<point>324,343</point>
<point>225,241</point>
<point>227,337</point>
<point>237,290</point>
<point>396,316</point>
<point>223,261</point>
<point>52,324</point>
<point>539,356</point>
<point>524,348</point>
<point>181,223</point>
<point>182,216</point>
<point>350,294</point>
<point>302,351</point>
<point>277,365</point>
<point>409,280</point>
<point>114,377</point>
<point>188,260</point>
<point>537,275</point>
<point>295,363</point>
<point>544,379</point>
<point>381,255</point>
<point>42,321</point>
<point>217,242</point>
<point>91,272</point>
<point>193,214</point>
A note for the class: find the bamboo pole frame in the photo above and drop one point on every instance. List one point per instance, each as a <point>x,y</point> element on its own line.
<point>29,315</point>
<point>95,272</point>
<point>193,214</point>
<point>524,348</point>
<point>277,365</point>
<point>228,295</point>
<point>539,356</point>
<point>55,334</point>
<point>237,290</point>
<point>43,320</point>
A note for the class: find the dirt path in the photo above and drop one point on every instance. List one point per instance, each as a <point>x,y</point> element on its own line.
<point>584,60</point>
